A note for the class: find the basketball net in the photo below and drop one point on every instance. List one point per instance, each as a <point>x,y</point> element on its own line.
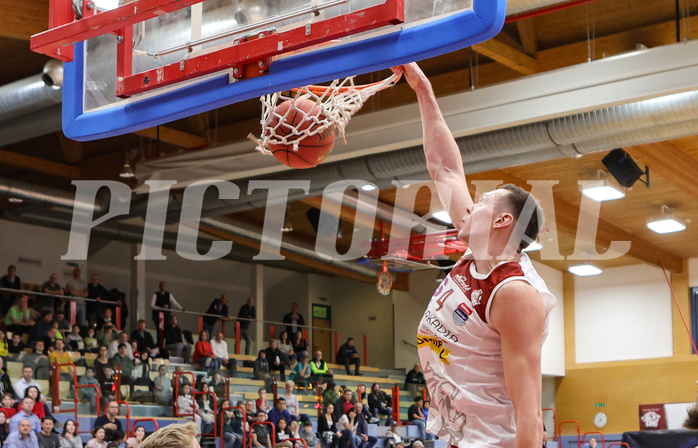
<point>338,102</point>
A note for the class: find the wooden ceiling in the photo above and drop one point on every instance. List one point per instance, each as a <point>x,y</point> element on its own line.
<point>549,41</point>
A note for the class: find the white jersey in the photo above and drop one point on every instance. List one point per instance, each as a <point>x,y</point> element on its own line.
<point>461,354</point>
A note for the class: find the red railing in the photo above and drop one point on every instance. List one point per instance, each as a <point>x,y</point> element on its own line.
<point>274,390</point>
<point>603,439</point>
<point>175,387</point>
<point>294,439</point>
<point>555,434</point>
<point>559,429</point>
<point>359,394</point>
<point>618,444</point>
<point>244,422</point>
<point>396,404</point>
<point>117,392</point>
<point>138,420</point>
<point>318,399</point>
<point>273,432</point>
<point>215,409</point>
<point>237,337</point>
<point>56,393</point>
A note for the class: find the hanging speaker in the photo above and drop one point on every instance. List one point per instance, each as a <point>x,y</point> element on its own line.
<point>624,169</point>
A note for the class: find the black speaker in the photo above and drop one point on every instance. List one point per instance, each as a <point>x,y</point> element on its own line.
<point>623,168</point>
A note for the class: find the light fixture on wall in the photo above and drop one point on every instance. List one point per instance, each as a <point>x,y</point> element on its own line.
<point>666,223</point>
<point>624,169</point>
<point>603,191</point>
<point>127,170</point>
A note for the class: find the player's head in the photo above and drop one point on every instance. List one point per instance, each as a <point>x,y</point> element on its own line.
<point>173,436</point>
<point>523,206</point>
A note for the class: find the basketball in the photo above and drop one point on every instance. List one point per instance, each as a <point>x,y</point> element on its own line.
<point>295,116</point>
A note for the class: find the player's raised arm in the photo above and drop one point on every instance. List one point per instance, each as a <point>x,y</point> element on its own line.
<point>443,157</point>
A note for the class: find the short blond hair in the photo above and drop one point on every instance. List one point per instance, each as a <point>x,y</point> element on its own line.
<point>172,436</point>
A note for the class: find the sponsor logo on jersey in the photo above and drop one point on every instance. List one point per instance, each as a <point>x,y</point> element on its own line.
<point>460,315</point>
<point>435,326</point>
<point>436,345</point>
<point>476,297</point>
<point>461,282</point>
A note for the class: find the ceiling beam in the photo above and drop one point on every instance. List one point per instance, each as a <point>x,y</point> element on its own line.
<point>23,19</point>
<point>527,34</point>
<point>40,165</point>
<point>671,163</point>
<point>346,213</point>
<point>508,56</point>
<point>566,216</point>
<point>173,137</point>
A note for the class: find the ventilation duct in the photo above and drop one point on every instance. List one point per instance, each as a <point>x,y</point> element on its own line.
<point>33,93</point>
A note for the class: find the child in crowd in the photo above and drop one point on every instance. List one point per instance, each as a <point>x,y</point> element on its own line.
<point>16,347</point>
<point>89,393</point>
<point>91,344</point>
<point>8,405</point>
<point>261,402</point>
<point>309,436</point>
<point>74,340</point>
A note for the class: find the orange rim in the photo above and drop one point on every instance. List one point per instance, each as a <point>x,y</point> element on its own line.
<point>320,90</point>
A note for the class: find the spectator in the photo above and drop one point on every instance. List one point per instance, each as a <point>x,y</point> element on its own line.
<point>347,355</point>
<point>41,409</point>
<point>591,443</point>
<point>62,322</point>
<point>292,404</point>
<point>47,438</point>
<point>60,356</point>
<point>232,427</point>
<point>101,363</point>
<point>379,403</point>
<point>97,441</point>
<point>366,441</point>
<point>309,435</point>
<point>163,387</point>
<point>216,311</point>
<point>163,301</point>
<point>89,393</point>
<point>281,432</point>
<point>105,319</point>
<point>300,345</point>
<point>144,339</point>
<point>137,439</point>
<point>3,427</point>
<point>276,359</point>
<point>8,405</point>
<point>279,411</point>
<point>101,300</point>
<point>121,361</point>
<point>26,381</point>
<point>23,436</point>
<point>347,426</point>
<point>392,437</point>
<point>114,346</point>
<point>106,335</point>
<point>74,340</point>
<point>51,286</point>
<point>141,373</point>
<point>319,368</point>
<point>294,320</point>
<point>250,414</point>
<point>70,437</point>
<point>5,382</point>
<point>112,426</point>
<point>286,348</point>
<point>208,408</point>
<point>416,417</point>
<point>16,347</point>
<point>172,436</point>
<point>327,428</point>
<point>261,434</point>
<point>40,330</point>
<point>108,390</point>
<point>220,349</point>
<point>246,314</point>
<point>302,373</point>
<point>174,341</point>
<point>293,431</point>
<point>261,368</point>
<point>51,337</point>
<point>77,287</point>
<point>91,343</point>
<point>425,411</point>
<point>414,381</point>
<point>330,395</point>
<point>38,361</point>
<point>343,404</point>
<point>261,403</point>
<point>18,319</point>
<point>203,354</point>
<point>11,280</point>
<point>25,412</point>
<point>186,407</point>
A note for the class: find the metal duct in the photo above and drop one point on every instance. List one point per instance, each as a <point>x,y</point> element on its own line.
<point>33,124</point>
<point>33,93</point>
<point>40,194</point>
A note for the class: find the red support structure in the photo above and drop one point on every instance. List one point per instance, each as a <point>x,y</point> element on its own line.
<point>556,436</point>
<point>603,439</point>
<point>237,337</point>
<point>117,316</point>
<point>223,321</point>
<point>359,395</point>
<point>138,420</point>
<point>318,399</point>
<point>579,436</point>
<point>117,393</point>
<point>305,334</point>
<point>365,352</point>
<point>272,331</point>
<point>56,393</point>
<point>227,390</point>
<point>73,310</point>
<point>201,326</point>
<point>244,421</point>
<point>175,389</point>
<point>273,431</point>
<point>396,404</point>
<point>161,330</point>
<point>274,389</point>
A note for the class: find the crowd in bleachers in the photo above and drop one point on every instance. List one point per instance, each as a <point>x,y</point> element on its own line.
<point>38,335</point>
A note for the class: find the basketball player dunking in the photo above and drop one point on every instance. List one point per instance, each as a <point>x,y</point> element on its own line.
<point>481,336</point>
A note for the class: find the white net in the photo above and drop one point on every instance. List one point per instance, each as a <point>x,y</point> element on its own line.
<point>333,107</point>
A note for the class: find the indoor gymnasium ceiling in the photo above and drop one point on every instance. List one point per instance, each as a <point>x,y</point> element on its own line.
<point>557,38</point>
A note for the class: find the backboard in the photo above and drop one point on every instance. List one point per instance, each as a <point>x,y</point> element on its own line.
<point>139,64</point>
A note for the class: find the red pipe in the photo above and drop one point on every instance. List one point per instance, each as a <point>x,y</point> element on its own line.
<point>237,337</point>
<point>73,308</point>
<point>579,436</point>
<point>117,316</point>
<point>161,330</point>
<point>539,12</point>
<point>272,332</point>
<point>201,325</point>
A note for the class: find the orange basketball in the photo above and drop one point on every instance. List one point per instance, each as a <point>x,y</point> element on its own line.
<point>312,149</point>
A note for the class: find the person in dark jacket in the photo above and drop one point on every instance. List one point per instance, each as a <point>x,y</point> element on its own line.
<point>294,321</point>
<point>217,310</point>
<point>347,355</point>
<point>379,403</point>
<point>174,341</point>
<point>246,314</point>
<point>261,369</point>
<point>414,380</point>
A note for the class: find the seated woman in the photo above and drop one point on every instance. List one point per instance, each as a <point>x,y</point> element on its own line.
<point>286,348</point>
<point>203,353</point>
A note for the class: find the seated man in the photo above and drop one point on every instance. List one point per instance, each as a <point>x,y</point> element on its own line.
<point>112,426</point>
<point>379,403</point>
<point>26,411</point>
<point>417,418</point>
<point>347,355</point>
<point>261,434</point>
<point>321,372</point>
<point>393,438</point>
<point>174,341</point>
<point>144,339</point>
<point>275,358</point>
<point>279,411</point>
<point>414,380</point>
<point>24,437</point>
<point>125,364</point>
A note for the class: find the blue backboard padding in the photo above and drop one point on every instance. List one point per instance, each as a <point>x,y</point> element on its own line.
<point>451,33</point>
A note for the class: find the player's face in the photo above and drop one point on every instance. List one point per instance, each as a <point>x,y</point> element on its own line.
<point>477,222</point>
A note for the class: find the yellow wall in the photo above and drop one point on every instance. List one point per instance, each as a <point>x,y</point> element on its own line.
<point>623,385</point>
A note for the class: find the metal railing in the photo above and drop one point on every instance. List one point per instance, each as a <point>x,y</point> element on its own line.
<point>243,424</point>
<point>273,431</point>
<point>564,422</point>
<point>603,439</point>
<point>56,393</point>
<point>139,420</point>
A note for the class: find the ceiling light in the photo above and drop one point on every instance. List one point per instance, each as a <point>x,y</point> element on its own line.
<point>442,216</point>
<point>368,187</point>
<point>288,224</point>
<point>603,192</point>
<point>534,246</point>
<point>127,172</point>
<point>15,200</point>
<point>666,223</point>
<point>584,270</point>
